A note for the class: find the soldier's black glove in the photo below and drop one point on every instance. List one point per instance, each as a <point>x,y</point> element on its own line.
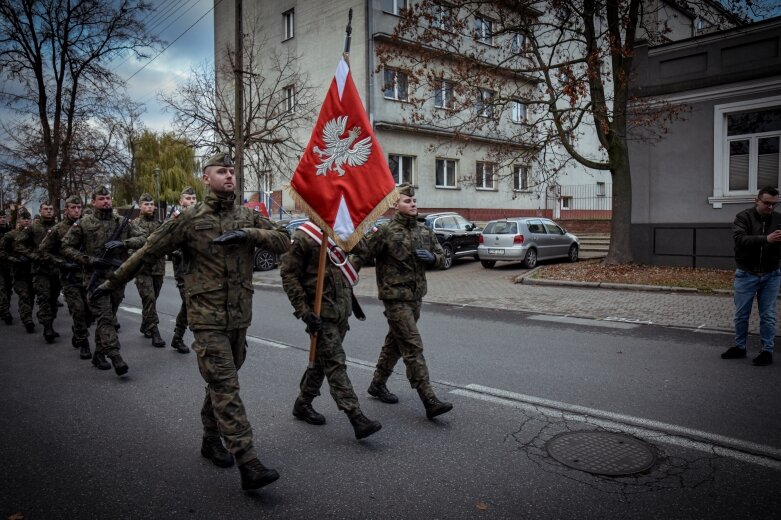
<point>69,266</point>
<point>99,263</point>
<point>425,256</point>
<point>101,290</point>
<point>313,322</point>
<point>114,244</point>
<point>234,236</point>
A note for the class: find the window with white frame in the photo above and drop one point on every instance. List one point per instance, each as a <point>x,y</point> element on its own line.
<point>520,178</point>
<point>518,111</point>
<point>401,168</point>
<point>485,105</point>
<point>601,192</point>
<point>290,98</point>
<point>442,17</point>
<point>443,94</point>
<point>484,175</point>
<point>517,42</point>
<point>484,30</point>
<point>395,84</point>
<point>394,6</point>
<point>288,24</point>
<point>446,173</point>
<point>566,203</point>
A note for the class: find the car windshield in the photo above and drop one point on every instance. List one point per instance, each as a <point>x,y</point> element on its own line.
<point>501,228</point>
<point>462,223</point>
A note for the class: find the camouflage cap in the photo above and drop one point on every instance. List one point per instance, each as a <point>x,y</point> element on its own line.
<point>73,199</point>
<point>23,213</point>
<point>145,197</point>
<point>406,189</point>
<point>218,159</point>
<point>189,190</point>
<point>100,190</point>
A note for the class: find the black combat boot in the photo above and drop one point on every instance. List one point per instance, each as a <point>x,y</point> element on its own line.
<point>157,341</point>
<point>8,319</point>
<point>178,344</point>
<point>120,367</point>
<point>48,332</point>
<point>212,449</point>
<point>84,352</point>
<point>255,475</point>
<point>363,426</point>
<point>30,326</point>
<point>381,392</point>
<point>433,405</point>
<point>99,360</point>
<point>304,411</point>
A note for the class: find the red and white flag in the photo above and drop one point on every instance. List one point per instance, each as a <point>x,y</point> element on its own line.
<point>343,179</point>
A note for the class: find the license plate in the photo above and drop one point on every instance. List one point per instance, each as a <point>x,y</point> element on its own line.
<point>496,251</point>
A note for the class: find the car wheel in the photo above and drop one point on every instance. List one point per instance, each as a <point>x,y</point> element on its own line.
<point>448,263</point>
<point>530,260</point>
<point>488,264</point>
<point>573,253</point>
<point>265,260</point>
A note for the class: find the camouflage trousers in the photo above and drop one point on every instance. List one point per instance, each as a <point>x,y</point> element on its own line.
<point>47,290</point>
<point>6,286</point>
<point>149,286</point>
<point>23,287</point>
<point>403,341</point>
<point>181,318</point>
<point>220,356</point>
<point>104,311</point>
<point>330,363</point>
<point>76,300</point>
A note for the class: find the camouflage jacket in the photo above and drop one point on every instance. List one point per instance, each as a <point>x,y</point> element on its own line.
<point>8,255</point>
<point>5,264</point>
<point>27,242</point>
<point>86,238</point>
<point>298,268</point>
<point>400,275</point>
<point>51,246</point>
<point>149,225</point>
<point>218,278</point>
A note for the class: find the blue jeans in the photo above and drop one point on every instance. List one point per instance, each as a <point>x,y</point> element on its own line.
<point>765,287</point>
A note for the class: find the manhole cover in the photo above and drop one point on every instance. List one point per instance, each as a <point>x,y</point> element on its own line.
<point>602,453</point>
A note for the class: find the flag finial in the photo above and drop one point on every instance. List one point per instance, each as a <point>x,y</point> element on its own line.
<point>348,31</point>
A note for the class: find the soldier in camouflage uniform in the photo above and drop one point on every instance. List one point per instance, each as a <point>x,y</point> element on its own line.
<point>149,280</point>
<point>299,268</point>
<point>85,244</point>
<point>71,276</point>
<point>218,238</point>
<point>186,199</point>
<point>402,250</point>
<point>46,277</point>
<point>22,277</point>
<point>6,279</point>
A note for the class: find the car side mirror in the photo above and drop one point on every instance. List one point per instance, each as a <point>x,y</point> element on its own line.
<point>471,227</point>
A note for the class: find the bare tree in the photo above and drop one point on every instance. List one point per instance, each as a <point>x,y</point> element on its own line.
<point>54,56</point>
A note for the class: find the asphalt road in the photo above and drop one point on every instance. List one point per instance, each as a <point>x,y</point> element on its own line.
<point>81,443</point>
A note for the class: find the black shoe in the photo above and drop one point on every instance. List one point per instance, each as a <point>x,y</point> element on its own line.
<point>99,360</point>
<point>120,367</point>
<point>30,326</point>
<point>179,345</point>
<point>157,341</point>
<point>435,407</point>
<point>212,449</point>
<point>764,359</point>
<point>48,333</point>
<point>84,353</point>
<point>255,475</point>
<point>734,353</point>
<point>8,319</point>
<point>363,426</point>
<point>381,392</point>
<point>304,411</point>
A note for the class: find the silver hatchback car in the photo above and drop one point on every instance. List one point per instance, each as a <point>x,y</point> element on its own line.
<point>526,239</point>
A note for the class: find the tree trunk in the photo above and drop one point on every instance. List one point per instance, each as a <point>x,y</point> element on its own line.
<point>620,251</point>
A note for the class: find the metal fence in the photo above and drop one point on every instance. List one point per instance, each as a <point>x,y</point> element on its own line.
<point>581,201</point>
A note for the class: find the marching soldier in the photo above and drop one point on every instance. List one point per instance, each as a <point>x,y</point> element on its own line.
<point>402,250</point>
<point>99,242</point>
<point>22,277</point>
<point>186,199</point>
<point>299,268</point>
<point>46,278</point>
<point>6,278</point>
<point>149,280</point>
<point>217,237</point>
<point>71,276</point>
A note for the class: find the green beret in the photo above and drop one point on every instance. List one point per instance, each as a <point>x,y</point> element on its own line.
<point>218,159</point>
<point>145,197</point>
<point>73,199</point>
<point>23,213</point>
<point>101,190</point>
<point>189,190</point>
<point>406,189</point>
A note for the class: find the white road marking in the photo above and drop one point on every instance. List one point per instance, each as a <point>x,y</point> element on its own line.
<point>650,430</point>
<point>131,310</point>
<point>583,321</point>
<point>628,320</point>
<point>267,342</point>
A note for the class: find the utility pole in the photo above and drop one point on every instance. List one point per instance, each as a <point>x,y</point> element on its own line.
<point>238,131</point>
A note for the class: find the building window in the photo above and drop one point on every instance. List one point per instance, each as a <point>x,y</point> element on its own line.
<point>290,98</point>
<point>520,178</point>
<point>517,43</point>
<point>442,17</point>
<point>485,105</point>
<point>289,24</point>
<point>446,173</point>
<point>395,85</point>
<point>484,176</point>
<point>601,189</point>
<point>484,31</point>
<point>566,203</point>
<point>394,6</point>
<point>401,168</point>
<point>443,94</point>
<point>519,111</point>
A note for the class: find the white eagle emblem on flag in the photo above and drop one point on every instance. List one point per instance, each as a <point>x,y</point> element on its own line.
<point>339,151</point>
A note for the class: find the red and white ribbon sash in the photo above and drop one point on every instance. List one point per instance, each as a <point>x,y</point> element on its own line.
<point>335,253</point>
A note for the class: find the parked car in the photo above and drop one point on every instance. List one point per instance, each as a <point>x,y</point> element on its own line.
<point>527,240</point>
<point>459,237</point>
<point>265,259</point>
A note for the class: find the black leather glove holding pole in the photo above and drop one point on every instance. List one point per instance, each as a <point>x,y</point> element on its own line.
<point>313,322</point>
<point>103,260</point>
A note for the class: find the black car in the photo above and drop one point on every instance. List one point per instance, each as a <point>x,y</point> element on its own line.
<point>458,236</point>
<point>265,259</point>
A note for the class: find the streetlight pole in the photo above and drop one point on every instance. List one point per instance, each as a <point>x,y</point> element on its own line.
<point>157,179</point>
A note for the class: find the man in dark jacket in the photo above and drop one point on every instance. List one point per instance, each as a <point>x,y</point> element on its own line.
<point>757,235</point>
